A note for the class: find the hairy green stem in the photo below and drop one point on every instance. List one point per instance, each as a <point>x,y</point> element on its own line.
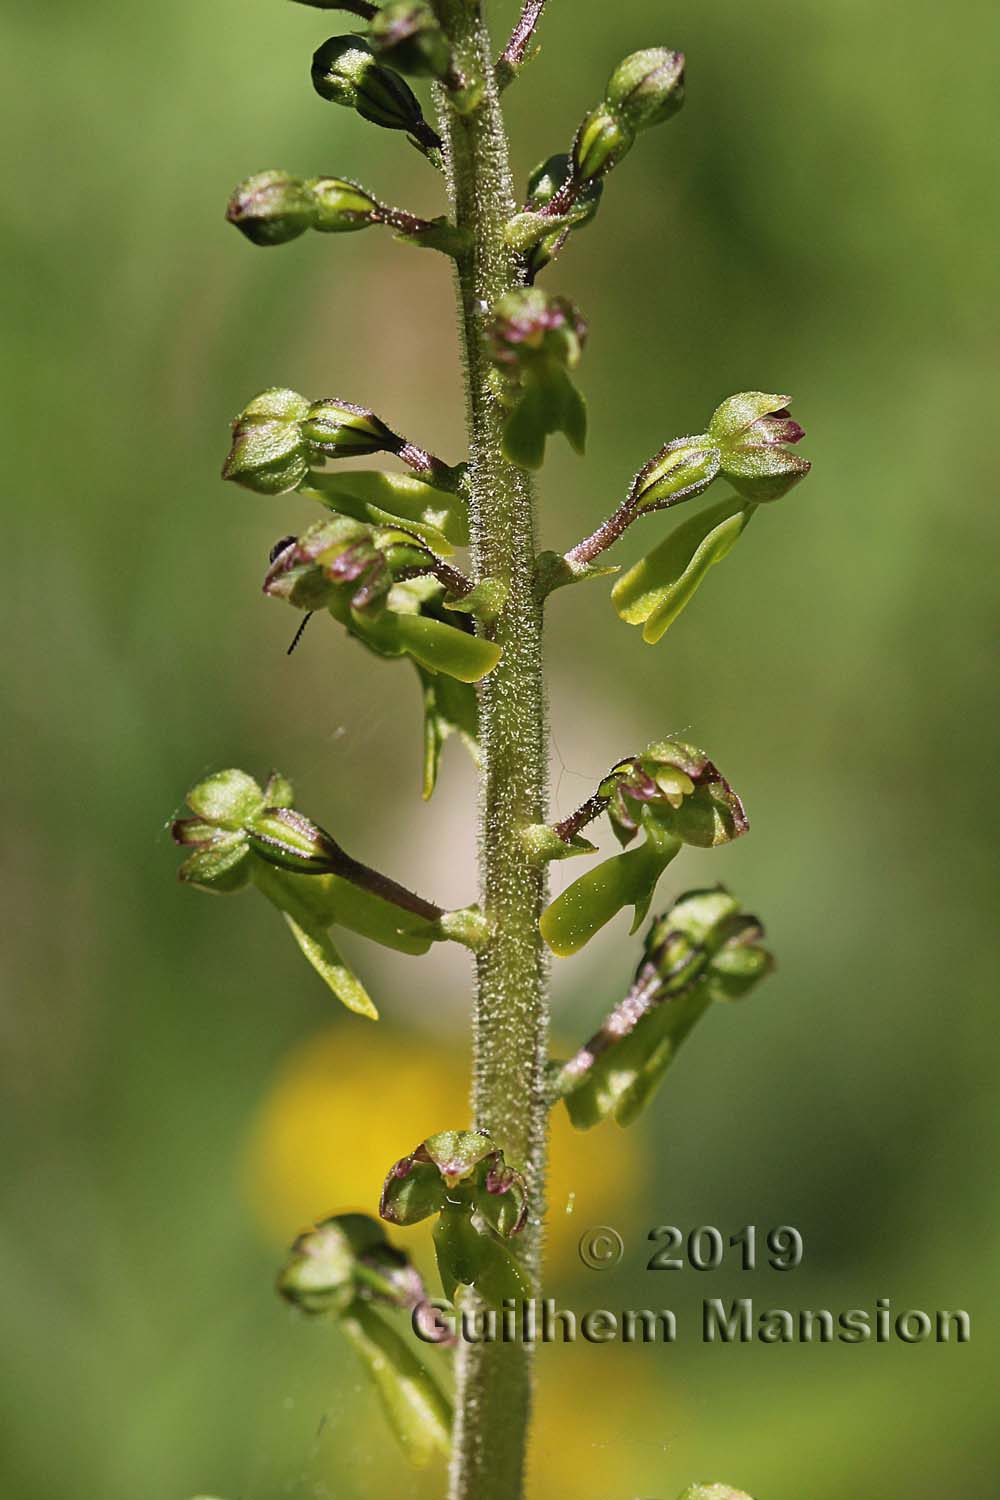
<point>511,1014</point>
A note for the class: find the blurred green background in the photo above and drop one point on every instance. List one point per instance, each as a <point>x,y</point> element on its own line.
<point>180,1097</point>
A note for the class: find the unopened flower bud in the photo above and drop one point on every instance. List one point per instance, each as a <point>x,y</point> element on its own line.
<point>341,207</point>
<point>345,71</point>
<point>268,453</point>
<point>289,841</point>
<point>703,949</point>
<point>601,141</point>
<point>727,941</point>
<point>752,430</point>
<point>321,1273</point>
<point>407,35</point>
<point>272,208</point>
<point>547,180</point>
<point>683,468</point>
<point>647,88</point>
<point>339,429</point>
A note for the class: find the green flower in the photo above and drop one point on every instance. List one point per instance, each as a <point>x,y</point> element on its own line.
<point>753,431</point>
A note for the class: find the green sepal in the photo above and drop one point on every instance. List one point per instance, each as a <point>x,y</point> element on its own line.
<point>227,798</point>
<point>554,571</point>
<point>283,837</point>
<point>450,707</point>
<point>736,969</point>
<point>278,790</point>
<point>544,844</point>
<point>756,432</point>
<point>468,1257</point>
<point>711,815</point>
<point>416,1408</point>
<point>456,1167</point>
<point>458,1154</point>
<point>439,517</point>
<point>504,1205</point>
<point>658,588</point>
<point>602,140</point>
<point>417,1184</point>
<point>221,864</point>
<point>739,415</point>
<point>591,902</point>
<point>413,1190</point>
<point>674,785</point>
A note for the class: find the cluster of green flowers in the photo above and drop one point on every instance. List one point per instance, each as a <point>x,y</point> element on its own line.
<point>380,561</point>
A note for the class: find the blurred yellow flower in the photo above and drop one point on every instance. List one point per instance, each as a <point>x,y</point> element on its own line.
<point>341,1109</point>
<point>604,1422</point>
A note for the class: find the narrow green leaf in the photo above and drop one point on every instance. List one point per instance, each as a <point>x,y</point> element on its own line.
<point>658,588</point>
<point>438,517</point>
<point>328,901</point>
<point>524,431</point>
<point>318,948</point>
<point>548,403</point>
<point>417,1410</point>
<point>574,416</point>
<point>431,643</point>
<point>308,913</point>
<point>620,1084</point>
<point>444,648</point>
<point>450,707</point>
<point>627,879</point>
